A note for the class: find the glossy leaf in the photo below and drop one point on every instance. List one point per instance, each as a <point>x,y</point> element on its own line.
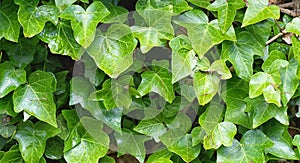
<point>294,26</point>
<point>10,78</point>
<point>241,53</point>
<point>112,50</point>
<point>33,18</point>
<point>262,30</point>
<point>183,58</point>
<point>160,156</point>
<point>202,33</point>
<point>259,10</point>
<point>116,14</point>
<point>84,22</point>
<point>206,86</point>
<point>36,97</point>
<point>32,139</point>
<point>10,27</point>
<point>151,29</point>
<point>249,149</point>
<point>7,107</point>
<point>63,4</point>
<point>221,68</point>
<point>12,156</point>
<point>226,11</point>
<point>200,3</point>
<point>153,127</point>
<point>269,64</point>
<point>185,149</point>
<point>159,81</point>
<point>61,40</point>
<point>54,148</point>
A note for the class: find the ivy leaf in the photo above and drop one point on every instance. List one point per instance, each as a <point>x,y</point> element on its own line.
<point>183,58</point>
<point>160,156</point>
<point>197,135</point>
<point>107,159</point>
<point>33,18</point>
<point>10,78</point>
<point>32,139</point>
<point>36,98</point>
<point>296,141</point>
<point>234,99</point>
<point>116,14</point>
<point>54,148</point>
<point>6,104</point>
<point>84,22</point>
<point>205,86</point>
<point>289,80</point>
<point>10,27</point>
<point>262,30</point>
<point>12,156</point>
<point>131,143</point>
<point>279,134</point>
<point>91,71</point>
<point>185,149</point>
<point>221,68</point>
<point>203,34</point>
<point>250,149</point>
<point>259,10</point>
<point>211,117</point>
<point>152,127</point>
<point>293,26</point>
<point>269,64</point>
<point>87,141</point>
<point>60,40</point>
<point>148,29</point>
<point>200,3</point>
<point>223,134</point>
<point>226,12</point>
<point>241,53</point>
<point>63,4</point>
<point>112,50</point>
<point>159,81</point>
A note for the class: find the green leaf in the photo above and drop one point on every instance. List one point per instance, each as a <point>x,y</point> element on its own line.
<point>250,149</point>
<point>223,134</point>
<point>200,3</point>
<point>160,156</point>
<point>10,78</point>
<point>152,127</point>
<point>202,33</point>
<point>112,50</point>
<point>33,18</point>
<point>211,117</point>
<point>241,53</point>
<point>7,107</point>
<point>10,27</point>
<point>86,142</point>
<point>262,30</point>
<point>159,81</point>
<point>205,86</point>
<point>197,135</point>
<point>62,4</point>
<point>12,156</point>
<point>91,71</point>
<point>221,68</point>
<point>293,26</point>
<point>185,149</point>
<point>279,134</point>
<point>148,29</point>
<point>36,97</point>
<point>183,58</point>
<point>296,141</point>
<point>131,143</point>
<point>84,22</point>
<point>226,12</point>
<point>7,131</point>
<point>32,139</point>
<point>269,64</point>
<point>187,89</point>
<point>234,99</point>
<point>54,148</point>
<point>116,14</point>
<point>107,159</point>
<point>289,80</point>
<point>259,10</point>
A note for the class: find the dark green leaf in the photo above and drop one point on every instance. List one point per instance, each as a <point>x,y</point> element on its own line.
<point>54,148</point>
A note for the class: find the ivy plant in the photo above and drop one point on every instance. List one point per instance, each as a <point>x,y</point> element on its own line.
<point>104,81</point>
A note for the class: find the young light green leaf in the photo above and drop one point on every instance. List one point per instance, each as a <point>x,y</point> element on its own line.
<point>159,81</point>
<point>84,22</point>
<point>112,50</point>
<point>226,12</point>
<point>36,98</point>
<point>10,27</point>
<point>63,4</point>
<point>33,18</point>
<point>259,82</point>
<point>10,78</point>
<point>221,68</point>
<point>279,134</point>
<point>269,65</point>
<point>131,143</point>
<point>272,96</point>
<point>32,139</point>
<point>222,134</point>
<point>205,86</point>
<point>241,53</point>
<point>183,58</point>
<point>203,34</point>
<point>61,40</point>
<point>197,135</point>
<point>160,156</point>
<point>259,10</point>
<point>152,127</point>
<point>211,117</point>
<point>289,80</point>
<point>151,28</point>
<point>185,149</point>
<point>293,26</point>
<point>296,141</point>
<point>250,149</point>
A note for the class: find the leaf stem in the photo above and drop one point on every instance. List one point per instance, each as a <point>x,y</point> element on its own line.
<point>274,38</point>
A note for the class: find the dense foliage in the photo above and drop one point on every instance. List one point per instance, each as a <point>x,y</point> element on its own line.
<point>162,81</point>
